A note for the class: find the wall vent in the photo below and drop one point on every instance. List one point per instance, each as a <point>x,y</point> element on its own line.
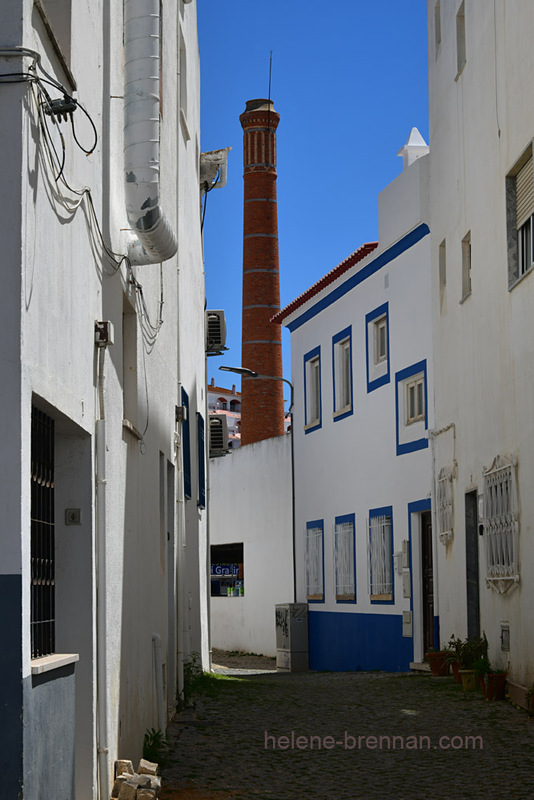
<point>218,435</point>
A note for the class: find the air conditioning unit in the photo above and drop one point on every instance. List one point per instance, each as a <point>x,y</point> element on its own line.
<point>215,333</point>
<point>218,435</point>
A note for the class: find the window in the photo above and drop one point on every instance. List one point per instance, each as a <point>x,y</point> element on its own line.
<point>377,334</point>
<point>442,266</point>
<point>43,628</point>
<point>411,408</point>
<point>186,446</point>
<point>201,449</point>
<point>183,88</point>
<point>415,400</point>
<point>344,566</point>
<point>56,16</point>
<point>445,514</point>
<point>227,570</point>
<point>129,362</point>
<point>380,555</point>
<point>314,561</point>
<point>501,525</point>
<point>342,369</point>
<point>312,390</point>
<point>520,221</point>
<point>460,39</point>
<point>437,26</point>
<point>466,266</point>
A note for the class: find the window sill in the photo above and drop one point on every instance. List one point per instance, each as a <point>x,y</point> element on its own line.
<point>521,277</point>
<point>184,126</point>
<point>381,597</point>
<point>464,297</point>
<point>341,411</point>
<point>129,426</point>
<point>312,425</point>
<point>460,71</point>
<point>55,661</point>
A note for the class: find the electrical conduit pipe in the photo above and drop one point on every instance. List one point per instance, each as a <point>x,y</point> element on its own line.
<point>156,240</point>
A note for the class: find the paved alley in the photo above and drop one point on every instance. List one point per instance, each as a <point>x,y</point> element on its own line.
<point>348,736</point>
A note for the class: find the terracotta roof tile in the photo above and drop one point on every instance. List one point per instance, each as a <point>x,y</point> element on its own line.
<point>326,280</point>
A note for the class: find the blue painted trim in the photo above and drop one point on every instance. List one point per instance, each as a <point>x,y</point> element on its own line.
<point>365,272</point>
<point>317,523</point>
<point>316,352</point>
<point>201,503</point>
<point>339,337</point>
<point>186,444</point>
<point>370,317</point>
<point>408,372</point>
<point>341,641</point>
<point>339,521</point>
<point>385,511</point>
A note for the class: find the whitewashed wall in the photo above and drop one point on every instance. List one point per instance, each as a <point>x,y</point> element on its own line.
<point>480,123</point>
<point>250,502</point>
<point>156,544</point>
<point>350,465</point>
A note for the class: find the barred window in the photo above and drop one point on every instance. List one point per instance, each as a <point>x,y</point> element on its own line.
<point>380,558</point>
<point>501,525</point>
<point>314,561</point>
<point>42,620</point>
<point>345,583</point>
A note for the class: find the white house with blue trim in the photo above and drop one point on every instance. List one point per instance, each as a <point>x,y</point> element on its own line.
<point>362,371</point>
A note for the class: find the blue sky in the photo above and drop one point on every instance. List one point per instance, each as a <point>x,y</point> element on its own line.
<point>349,80</point>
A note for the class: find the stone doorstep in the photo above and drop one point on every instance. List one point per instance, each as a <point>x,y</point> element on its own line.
<point>518,694</point>
<point>420,666</point>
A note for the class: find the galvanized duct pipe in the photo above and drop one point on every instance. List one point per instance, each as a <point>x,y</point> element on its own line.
<point>156,240</point>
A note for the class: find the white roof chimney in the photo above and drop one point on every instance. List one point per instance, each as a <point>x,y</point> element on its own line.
<point>414,148</point>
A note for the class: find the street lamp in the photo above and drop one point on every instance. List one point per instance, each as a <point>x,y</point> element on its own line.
<point>249,373</point>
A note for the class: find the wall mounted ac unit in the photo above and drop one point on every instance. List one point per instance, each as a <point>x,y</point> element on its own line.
<point>215,333</point>
<point>218,444</point>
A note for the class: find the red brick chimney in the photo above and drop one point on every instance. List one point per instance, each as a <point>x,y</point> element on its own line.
<point>262,404</point>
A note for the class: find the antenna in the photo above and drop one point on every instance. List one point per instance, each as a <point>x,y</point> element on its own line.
<point>270,71</point>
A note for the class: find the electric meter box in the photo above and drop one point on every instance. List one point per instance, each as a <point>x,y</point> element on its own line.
<point>291,637</point>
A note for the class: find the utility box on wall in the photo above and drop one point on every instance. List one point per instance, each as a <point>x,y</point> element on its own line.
<point>291,637</point>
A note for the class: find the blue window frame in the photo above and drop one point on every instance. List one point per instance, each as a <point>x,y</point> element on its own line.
<point>312,390</point>
<point>411,408</point>
<point>377,347</point>
<point>186,446</point>
<point>314,549</point>
<point>345,559</point>
<point>342,373</point>
<point>381,572</point>
<point>201,503</point>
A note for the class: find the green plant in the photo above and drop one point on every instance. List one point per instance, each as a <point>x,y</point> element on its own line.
<point>197,682</point>
<point>467,651</point>
<point>155,747</point>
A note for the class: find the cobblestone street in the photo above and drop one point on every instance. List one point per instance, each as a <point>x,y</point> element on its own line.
<point>348,736</point>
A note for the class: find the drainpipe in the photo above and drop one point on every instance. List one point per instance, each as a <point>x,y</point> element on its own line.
<point>101,616</point>
<point>156,240</point>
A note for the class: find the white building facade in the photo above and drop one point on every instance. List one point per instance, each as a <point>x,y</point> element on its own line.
<point>103,572</point>
<point>482,201</point>
<point>362,371</point>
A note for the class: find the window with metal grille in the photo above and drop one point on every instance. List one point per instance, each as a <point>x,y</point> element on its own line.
<point>42,593</point>
<point>380,557</point>
<point>501,524</point>
<point>344,567</point>
<point>314,561</point>
<point>444,505</point>
<point>186,446</point>
<point>201,503</point>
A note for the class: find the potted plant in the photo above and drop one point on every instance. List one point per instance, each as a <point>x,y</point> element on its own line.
<point>492,681</point>
<point>454,647</point>
<point>470,651</point>
<point>439,661</point>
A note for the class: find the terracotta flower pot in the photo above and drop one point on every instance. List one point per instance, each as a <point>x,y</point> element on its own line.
<point>439,662</point>
<point>493,685</point>
<point>468,679</point>
<point>456,672</point>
